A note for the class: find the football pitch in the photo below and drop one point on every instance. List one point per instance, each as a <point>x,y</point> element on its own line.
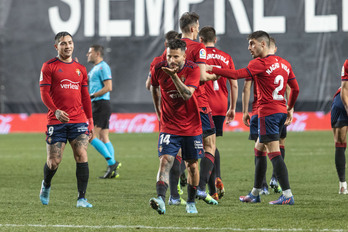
<point>122,204</point>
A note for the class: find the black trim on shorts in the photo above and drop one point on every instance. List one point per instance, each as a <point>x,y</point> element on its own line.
<point>269,138</point>
<point>209,132</point>
<point>339,124</point>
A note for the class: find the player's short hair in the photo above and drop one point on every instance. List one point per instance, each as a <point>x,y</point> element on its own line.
<point>207,34</point>
<point>272,41</point>
<point>98,48</point>
<point>177,44</point>
<point>171,35</point>
<point>260,35</point>
<point>60,35</point>
<point>187,20</point>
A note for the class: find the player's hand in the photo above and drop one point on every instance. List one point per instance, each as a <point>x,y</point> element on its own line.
<point>215,77</point>
<point>289,117</point>
<point>246,119</point>
<point>170,71</point>
<point>208,68</point>
<point>62,116</point>
<point>230,116</point>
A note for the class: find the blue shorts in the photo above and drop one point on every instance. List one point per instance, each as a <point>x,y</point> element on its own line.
<point>219,124</point>
<point>191,146</point>
<point>270,127</point>
<point>254,128</point>
<point>339,117</point>
<point>63,132</point>
<point>283,133</point>
<point>208,126</point>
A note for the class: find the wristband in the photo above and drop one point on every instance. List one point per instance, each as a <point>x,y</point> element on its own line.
<point>92,96</point>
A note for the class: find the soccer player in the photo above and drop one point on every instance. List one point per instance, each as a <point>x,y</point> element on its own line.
<point>100,86</point>
<point>64,90</point>
<point>271,74</point>
<point>173,85</point>
<point>339,124</point>
<point>252,122</point>
<point>217,93</point>
<point>196,52</point>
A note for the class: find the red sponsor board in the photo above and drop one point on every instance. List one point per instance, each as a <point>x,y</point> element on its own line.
<point>147,123</point>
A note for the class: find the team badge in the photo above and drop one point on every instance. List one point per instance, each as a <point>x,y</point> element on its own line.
<point>49,140</point>
<point>160,148</point>
<point>78,72</point>
<point>202,54</point>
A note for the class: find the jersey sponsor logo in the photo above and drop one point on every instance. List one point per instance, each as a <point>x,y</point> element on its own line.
<point>68,84</point>
<point>82,129</point>
<point>202,54</point>
<point>183,78</point>
<point>173,94</point>
<point>41,76</point>
<point>78,72</point>
<point>198,144</point>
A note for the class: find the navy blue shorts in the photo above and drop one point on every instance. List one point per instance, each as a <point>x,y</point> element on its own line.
<point>219,124</point>
<point>63,132</point>
<point>101,113</point>
<point>283,133</point>
<point>191,146</point>
<point>270,127</point>
<point>339,117</point>
<point>208,126</point>
<point>254,128</point>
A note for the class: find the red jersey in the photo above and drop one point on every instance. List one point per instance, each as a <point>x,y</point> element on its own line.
<point>197,53</point>
<point>344,75</point>
<point>66,81</point>
<point>178,117</point>
<point>155,61</point>
<point>217,91</point>
<point>271,74</point>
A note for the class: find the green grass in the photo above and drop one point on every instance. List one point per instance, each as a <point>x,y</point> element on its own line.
<point>122,204</point>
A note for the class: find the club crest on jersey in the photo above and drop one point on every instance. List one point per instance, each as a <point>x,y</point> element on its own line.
<point>78,72</point>
<point>202,54</point>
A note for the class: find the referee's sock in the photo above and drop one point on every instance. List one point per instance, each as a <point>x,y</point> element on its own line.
<point>103,150</point>
<point>111,150</point>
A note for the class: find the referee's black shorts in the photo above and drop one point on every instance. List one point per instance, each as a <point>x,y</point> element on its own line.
<point>101,113</point>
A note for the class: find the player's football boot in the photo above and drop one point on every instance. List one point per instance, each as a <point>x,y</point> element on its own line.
<point>173,201</point>
<point>191,207</point>
<point>215,196</point>
<point>343,188</point>
<point>202,195</point>
<point>250,198</point>
<point>82,202</point>
<point>111,171</point>
<point>264,191</point>
<point>44,194</point>
<point>158,205</point>
<point>219,187</point>
<point>283,201</point>
<point>275,185</point>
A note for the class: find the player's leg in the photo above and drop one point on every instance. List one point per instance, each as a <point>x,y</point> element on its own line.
<point>55,144</point>
<point>174,176</point>
<point>339,123</point>
<point>192,149</point>
<point>78,140</point>
<point>168,147</point>
<point>270,128</point>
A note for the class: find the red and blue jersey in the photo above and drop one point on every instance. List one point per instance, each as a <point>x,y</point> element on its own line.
<point>65,81</point>
<point>344,75</point>
<point>271,75</point>
<point>178,117</point>
<point>217,91</point>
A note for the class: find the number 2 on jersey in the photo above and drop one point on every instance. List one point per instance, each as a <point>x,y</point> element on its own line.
<point>278,80</point>
<point>165,139</point>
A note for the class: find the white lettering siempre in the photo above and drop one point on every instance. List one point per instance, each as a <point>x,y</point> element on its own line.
<point>217,57</point>
<point>159,14</point>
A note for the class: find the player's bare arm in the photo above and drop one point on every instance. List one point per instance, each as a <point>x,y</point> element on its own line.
<point>344,94</point>
<point>231,112</point>
<point>245,102</point>
<point>291,112</point>
<point>156,98</point>
<point>185,91</point>
<point>206,76</point>
<point>62,116</point>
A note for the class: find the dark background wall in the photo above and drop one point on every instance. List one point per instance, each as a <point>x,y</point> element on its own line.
<point>311,34</point>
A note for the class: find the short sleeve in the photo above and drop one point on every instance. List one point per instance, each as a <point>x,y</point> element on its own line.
<point>45,75</point>
<point>256,66</point>
<point>344,74</point>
